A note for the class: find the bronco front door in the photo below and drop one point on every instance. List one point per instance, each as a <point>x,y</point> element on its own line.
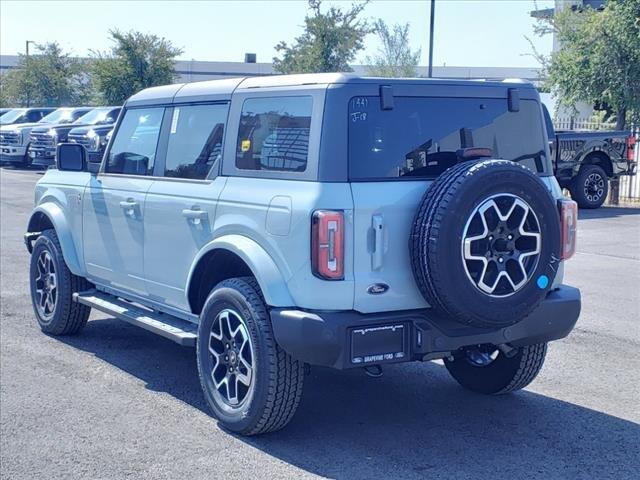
<point>114,203</point>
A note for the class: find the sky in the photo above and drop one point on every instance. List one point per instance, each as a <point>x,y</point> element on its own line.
<point>467,32</point>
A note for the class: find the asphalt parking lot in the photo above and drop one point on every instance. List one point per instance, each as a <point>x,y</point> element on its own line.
<point>120,402</point>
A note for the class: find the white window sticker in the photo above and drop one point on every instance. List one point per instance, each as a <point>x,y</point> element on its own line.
<point>174,120</point>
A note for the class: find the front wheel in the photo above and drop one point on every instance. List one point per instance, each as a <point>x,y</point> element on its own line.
<point>27,161</point>
<point>486,369</point>
<point>52,289</point>
<point>250,383</point>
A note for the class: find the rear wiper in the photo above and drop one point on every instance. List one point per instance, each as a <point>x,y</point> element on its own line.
<point>473,153</point>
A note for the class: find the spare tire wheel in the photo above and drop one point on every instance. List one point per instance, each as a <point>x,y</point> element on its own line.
<point>485,243</point>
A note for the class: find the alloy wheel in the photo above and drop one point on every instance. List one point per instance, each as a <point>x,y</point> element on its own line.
<point>232,358</point>
<point>594,187</point>
<point>481,355</point>
<point>501,245</point>
<point>46,286</point>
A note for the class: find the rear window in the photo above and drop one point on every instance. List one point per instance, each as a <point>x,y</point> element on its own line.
<point>422,137</point>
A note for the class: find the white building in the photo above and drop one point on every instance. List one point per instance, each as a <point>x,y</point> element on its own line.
<point>195,70</point>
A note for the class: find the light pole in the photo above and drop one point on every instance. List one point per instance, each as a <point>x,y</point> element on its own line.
<point>26,44</point>
<point>433,9</point>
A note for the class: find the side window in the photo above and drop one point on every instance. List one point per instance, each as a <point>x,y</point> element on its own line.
<point>112,116</point>
<point>133,150</point>
<point>34,115</point>
<point>274,134</point>
<point>195,140</point>
<point>76,114</point>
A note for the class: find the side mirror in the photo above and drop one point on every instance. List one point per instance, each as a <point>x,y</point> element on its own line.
<point>71,157</point>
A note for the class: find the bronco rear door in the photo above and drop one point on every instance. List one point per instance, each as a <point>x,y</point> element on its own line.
<point>397,148</point>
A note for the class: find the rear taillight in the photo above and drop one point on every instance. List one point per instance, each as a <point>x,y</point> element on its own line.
<point>569,227</point>
<point>631,144</point>
<point>327,244</point>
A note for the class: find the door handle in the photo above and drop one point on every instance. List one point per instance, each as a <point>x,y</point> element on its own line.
<point>129,206</point>
<point>378,242</point>
<point>195,215</point>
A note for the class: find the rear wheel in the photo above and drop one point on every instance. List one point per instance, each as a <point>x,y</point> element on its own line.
<point>251,385</point>
<point>485,369</point>
<point>52,289</point>
<point>590,187</point>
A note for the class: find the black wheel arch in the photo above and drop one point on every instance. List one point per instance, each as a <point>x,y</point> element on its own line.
<point>600,158</point>
<point>214,267</point>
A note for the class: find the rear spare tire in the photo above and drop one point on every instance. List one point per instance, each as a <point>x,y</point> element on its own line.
<point>485,243</point>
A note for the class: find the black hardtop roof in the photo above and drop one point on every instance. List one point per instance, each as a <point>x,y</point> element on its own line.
<point>224,88</point>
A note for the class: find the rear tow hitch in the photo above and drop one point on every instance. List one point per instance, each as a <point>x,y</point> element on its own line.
<point>374,371</point>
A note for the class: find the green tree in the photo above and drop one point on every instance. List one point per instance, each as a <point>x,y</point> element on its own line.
<point>395,57</point>
<point>599,58</point>
<point>49,77</point>
<point>4,98</point>
<point>135,62</point>
<point>329,42</point>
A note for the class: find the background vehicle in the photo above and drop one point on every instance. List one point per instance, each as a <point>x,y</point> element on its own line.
<point>15,139</point>
<point>94,135</point>
<point>322,219</point>
<point>14,116</point>
<point>12,139</point>
<point>584,162</point>
<point>43,140</point>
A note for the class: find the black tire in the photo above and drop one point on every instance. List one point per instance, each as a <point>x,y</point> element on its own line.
<point>66,317</point>
<point>590,187</point>
<point>502,375</point>
<point>436,244</point>
<point>27,161</point>
<point>270,403</point>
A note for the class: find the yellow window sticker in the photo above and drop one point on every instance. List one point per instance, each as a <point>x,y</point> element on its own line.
<point>245,146</point>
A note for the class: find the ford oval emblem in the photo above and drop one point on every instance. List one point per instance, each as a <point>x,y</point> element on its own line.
<point>377,288</point>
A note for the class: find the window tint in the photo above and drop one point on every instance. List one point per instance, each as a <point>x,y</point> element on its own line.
<point>34,115</point>
<point>12,116</point>
<point>195,140</point>
<point>422,137</point>
<point>75,115</point>
<point>133,150</point>
<point>274,134</point>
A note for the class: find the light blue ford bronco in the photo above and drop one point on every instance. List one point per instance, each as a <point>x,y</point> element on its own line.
<point>332,220</point>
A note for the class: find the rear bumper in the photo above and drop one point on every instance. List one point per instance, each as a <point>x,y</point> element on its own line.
<point>325,338</point>
<point>624,167</point>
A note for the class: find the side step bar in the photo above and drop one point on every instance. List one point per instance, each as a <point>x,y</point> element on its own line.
<point>180,331</point>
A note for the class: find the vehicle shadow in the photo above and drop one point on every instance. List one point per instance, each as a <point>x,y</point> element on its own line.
<point>607,212</point>
<point>414,422</point>
<point>21,168</point>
